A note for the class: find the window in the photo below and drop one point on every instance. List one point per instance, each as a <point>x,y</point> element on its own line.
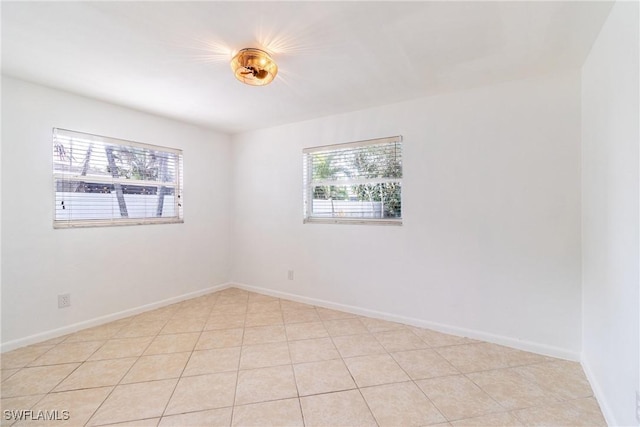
<point>357,182</point>
<point>106,181</point>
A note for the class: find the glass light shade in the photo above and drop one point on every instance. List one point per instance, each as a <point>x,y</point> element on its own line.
<point>254,67</point>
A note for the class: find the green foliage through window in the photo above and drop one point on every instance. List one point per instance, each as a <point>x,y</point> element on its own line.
<point>355,181</point>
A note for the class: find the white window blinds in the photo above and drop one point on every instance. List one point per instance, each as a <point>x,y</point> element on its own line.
<point>356,182</point>
<point>106,181</point>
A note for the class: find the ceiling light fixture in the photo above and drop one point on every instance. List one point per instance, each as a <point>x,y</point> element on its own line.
<point>254,67</point>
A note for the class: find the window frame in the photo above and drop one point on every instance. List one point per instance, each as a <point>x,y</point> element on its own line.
<point>308,184</point>
<point>176,184</point>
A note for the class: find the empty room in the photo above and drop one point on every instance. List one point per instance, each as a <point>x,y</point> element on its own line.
<point>321,213</point>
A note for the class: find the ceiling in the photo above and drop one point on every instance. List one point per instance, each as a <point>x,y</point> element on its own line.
<point>172,58</point>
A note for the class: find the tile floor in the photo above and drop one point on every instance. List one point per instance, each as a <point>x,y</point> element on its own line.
<point>240,358</point>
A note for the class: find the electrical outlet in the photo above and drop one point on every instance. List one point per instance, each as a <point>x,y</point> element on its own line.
<point>64,300</point>
<point>290,274</point>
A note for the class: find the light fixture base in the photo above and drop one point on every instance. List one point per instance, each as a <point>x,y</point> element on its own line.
<point>254,67</point>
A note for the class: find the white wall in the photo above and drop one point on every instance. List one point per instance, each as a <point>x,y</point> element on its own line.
<point>108,269</point>
<point>610,134</point>
<point>491,234</point>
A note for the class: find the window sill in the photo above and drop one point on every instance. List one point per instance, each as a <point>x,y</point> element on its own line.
<point>116,223</point>
<point>353,221</point>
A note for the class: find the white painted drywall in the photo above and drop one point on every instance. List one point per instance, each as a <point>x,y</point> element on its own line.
<point>491,194</point>
<point>610,214</point>
<point>108,269</point>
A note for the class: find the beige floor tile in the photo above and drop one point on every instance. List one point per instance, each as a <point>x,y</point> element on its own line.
<point>174,343</point>
<point>23,356</point>
<point>232,299</point>
<point>122,347</point>
<point>221,338</point>
<point>581,412</point>
<point>457,397</point>
<point>157,367</point>
<point>502,419</point>
<point>422,364</point>
<point>265,384</point>
<point>485,356</point>
<point>16,404</point>
<point>6,373</point>
<point>237,298</point>
<point>358,345</point>
<point>328,314</point>
<point>277,413</point>
<point>213,418</point>
<point>322,377</point>
<point>137,329</point>
<point>203,392</point>
<point>79,404</point>
<point>229,304</point>
<point>200,312</point>
<point>345,408</point>
<point>301,316</point>
<point>439,339</point>
<point>563,379</point>
<point>98,373</point>
<point>37,380</point>
<point>379,325</point>
<point>521,358</point>
<point>264,319</point>
<point>225,321</point>
<point>264,335</point>
<point>535,389</point>
<point>213,361</point>
<point>53,341</point>
<point>342,327</point>
<point>511,390</point>
<point>147,422</point>
<point>98,333</point>
<point>399,340</point>
<point>288,305</point>
<point>313,350</point>
<point>303,331</point>
<point>256,297</point>
<point>263,306</point>
<point>231,296</point>
<point>375,370</point>
<point>263,355</point>
<point>181,325</point>
<point>164,313</point>
<point>401,404</point>
<point>68,353</point>
<point>229,309</point>
<point>135,402</point>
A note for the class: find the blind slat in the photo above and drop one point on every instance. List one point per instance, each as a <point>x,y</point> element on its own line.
<point>356,181</point>
<point>106,181</point>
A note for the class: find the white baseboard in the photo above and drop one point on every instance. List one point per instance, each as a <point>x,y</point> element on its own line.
<point>453,330</point>
<point>470,333</point>
<point>597,392</point>
<point>54,333</point>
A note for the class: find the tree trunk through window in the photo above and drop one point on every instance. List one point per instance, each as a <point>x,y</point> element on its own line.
<point>114,173</point>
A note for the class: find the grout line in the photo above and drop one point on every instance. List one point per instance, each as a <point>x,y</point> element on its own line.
<point>131,367</point>
<point>188,359</point>
<point>211,306</point>
<point>351,374</point>
<point>293,371</point>
<point>235,392</point>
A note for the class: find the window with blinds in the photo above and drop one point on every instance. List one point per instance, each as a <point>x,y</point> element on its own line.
<point>101,181</point>
<point>356,182</point>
